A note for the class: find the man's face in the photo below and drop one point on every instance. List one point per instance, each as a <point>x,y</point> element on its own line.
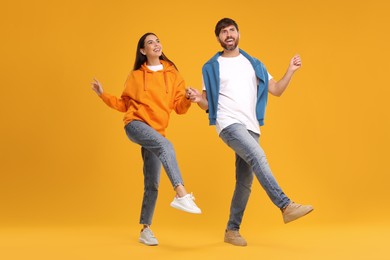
<point>229,37</point>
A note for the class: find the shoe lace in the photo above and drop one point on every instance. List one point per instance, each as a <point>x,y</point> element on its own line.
<point>192,196</point>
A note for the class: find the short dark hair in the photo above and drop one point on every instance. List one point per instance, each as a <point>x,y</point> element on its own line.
<point>223,23</point>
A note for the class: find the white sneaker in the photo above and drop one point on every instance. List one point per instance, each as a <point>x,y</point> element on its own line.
<point>147,237</point>
<point>186,203</point>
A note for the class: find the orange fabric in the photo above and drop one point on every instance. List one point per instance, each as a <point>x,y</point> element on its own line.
<point>150,96</point>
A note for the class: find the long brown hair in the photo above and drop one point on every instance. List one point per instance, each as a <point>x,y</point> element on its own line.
<point>140,58</point>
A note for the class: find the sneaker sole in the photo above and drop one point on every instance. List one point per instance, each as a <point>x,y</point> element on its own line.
<point>146,243</point>
<point>234,243</point>
<point>184,209</point>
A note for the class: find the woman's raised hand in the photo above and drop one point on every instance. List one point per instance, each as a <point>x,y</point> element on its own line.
<point>97,87</point>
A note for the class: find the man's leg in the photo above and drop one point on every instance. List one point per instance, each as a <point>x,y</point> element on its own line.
<point>245,144</point>
<point>244,180</point>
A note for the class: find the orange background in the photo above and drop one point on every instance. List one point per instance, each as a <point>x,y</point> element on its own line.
<point>66,161</point>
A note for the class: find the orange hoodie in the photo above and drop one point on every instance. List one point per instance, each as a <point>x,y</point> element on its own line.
<point>150,96</point>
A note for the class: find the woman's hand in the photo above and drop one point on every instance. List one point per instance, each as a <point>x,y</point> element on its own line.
<point>97,87</point>
<point>193,95</point>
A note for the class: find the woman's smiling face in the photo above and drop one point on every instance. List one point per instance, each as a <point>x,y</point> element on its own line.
<point>152,47</point>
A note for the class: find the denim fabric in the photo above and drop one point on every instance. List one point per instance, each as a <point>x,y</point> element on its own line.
<point>152,170</point>
<point>250,158</point>
<point>156,150</point>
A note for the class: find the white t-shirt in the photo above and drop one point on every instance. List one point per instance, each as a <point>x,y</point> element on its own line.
<point>237,94</point>
<point>155,67</point>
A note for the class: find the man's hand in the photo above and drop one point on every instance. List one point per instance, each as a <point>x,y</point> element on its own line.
<point>295,63</point>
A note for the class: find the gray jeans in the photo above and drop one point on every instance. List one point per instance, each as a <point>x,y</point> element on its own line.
<point>156,150</point>
<point>250,158</point>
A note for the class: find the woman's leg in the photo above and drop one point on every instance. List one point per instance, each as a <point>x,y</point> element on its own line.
<point>151,140</point>
<point>152,169</point>
<point>162,148</point>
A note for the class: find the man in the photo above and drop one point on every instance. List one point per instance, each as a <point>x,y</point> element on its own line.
<point>235,94</point>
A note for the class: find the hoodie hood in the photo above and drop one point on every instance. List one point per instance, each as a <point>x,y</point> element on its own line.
<point>167,67</point>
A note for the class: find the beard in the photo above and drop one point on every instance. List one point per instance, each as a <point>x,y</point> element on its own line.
<point>230,47</point>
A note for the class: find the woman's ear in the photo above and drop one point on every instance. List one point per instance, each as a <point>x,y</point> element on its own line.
<point>142,51</point>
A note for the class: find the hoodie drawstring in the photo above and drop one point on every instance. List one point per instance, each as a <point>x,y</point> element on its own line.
<point>145,85</point>
<point>165,80</point>
<point>166,68</point>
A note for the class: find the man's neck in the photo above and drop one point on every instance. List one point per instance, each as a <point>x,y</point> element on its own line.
<point>231,53</point>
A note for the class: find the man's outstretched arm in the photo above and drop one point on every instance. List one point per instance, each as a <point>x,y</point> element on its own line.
<point>277,88</point>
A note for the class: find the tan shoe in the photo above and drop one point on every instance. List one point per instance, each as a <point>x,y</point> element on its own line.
<point>233,237</point>
<point>294,211</point>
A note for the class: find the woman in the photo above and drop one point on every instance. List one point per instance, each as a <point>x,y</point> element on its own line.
<point>153,89</point>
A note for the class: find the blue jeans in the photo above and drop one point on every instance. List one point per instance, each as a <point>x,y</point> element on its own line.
<point>250,158</point>
<point>156,150</point>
